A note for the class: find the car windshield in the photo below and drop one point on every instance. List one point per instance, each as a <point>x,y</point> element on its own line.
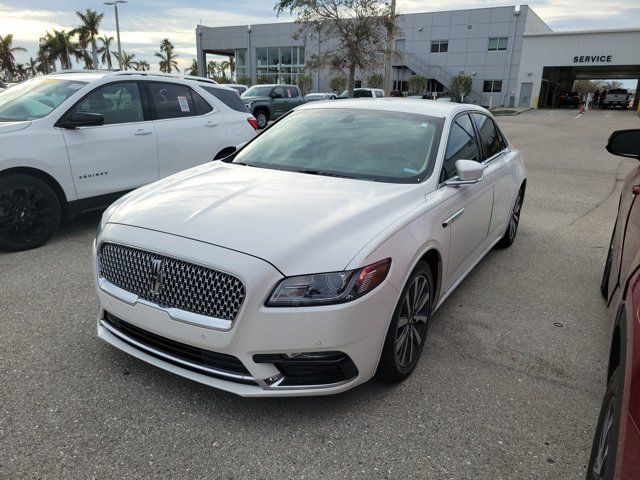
<point>36,98</point>
<point>257,91</point>
<point>364,144</point>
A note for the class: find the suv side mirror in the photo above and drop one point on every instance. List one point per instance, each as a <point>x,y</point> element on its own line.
<point>275,95</point>
<point>468,171</point>
<point>625,143</point>
<point>82,119</point>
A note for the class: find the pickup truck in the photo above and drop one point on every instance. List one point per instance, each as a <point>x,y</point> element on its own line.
<point>269,102</point>
<point>616,97</point>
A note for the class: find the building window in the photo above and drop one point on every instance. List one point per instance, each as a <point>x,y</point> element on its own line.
<point>241,63</point>
<point>492,86</point>
<point>440,46</point>
<point>498,43</point>
<point>280,64</point>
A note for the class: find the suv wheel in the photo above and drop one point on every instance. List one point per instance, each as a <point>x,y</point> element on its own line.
<point>262,117</point>
<point>29,212</point>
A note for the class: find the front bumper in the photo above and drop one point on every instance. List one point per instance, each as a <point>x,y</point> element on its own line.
<point>345,338</point>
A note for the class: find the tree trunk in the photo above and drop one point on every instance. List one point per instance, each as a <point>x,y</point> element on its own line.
<point>352,79</point>
<point>94,55</point>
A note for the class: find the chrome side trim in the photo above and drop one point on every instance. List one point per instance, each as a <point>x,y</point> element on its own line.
<point>174,313</point>
<point>153,351</point>
<point>452,218</point>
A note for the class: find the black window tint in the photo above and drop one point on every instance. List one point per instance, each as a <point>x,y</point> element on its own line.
<point>489,136</point>
<point>229,98</point>
<point>116,102</point>
<point>171,100</point>
<point>462,145</point>
<point>200,104</point>
<point>278,92</point>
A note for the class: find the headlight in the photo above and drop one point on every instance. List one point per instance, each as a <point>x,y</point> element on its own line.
<point>248,105</point>
<point>328,288</point>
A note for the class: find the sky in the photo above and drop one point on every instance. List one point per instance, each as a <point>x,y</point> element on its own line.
<point>144,23</point>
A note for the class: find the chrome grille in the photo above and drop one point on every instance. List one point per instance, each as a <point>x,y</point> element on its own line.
<point>182,285</point>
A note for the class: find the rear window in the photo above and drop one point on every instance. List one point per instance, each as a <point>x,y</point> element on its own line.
<point>229,98</point>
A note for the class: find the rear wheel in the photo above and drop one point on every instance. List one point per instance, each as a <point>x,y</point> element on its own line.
<point>29,212</point>
<point>408,328</point>
<point>605,442</point>
<point>514,220</point>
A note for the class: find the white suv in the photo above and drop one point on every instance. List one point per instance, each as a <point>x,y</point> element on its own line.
<point>75,141</point>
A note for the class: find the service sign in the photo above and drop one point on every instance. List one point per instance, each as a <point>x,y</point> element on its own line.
<point>592,59</point>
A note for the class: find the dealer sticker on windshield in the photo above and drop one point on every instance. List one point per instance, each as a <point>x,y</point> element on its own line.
<point>184,105</point>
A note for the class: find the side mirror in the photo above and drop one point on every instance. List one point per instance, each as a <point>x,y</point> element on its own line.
<point>625,143</point>
<point>83,119</point>
<point>469,172</point>
<point>275,95</point>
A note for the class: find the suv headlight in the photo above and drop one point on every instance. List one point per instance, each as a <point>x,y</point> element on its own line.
<point>328,288</point>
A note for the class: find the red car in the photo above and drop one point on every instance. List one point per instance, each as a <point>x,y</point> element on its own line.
<point>571,99</point>
<point>616,446</point>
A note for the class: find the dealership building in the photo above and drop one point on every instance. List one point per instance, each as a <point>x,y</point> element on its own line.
<point>512,55</point>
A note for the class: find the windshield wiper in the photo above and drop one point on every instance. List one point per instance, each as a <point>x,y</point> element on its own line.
<point>324,174</point>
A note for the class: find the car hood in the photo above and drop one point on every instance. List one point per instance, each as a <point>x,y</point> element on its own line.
<point>298,222</point>
<point>8,127</point>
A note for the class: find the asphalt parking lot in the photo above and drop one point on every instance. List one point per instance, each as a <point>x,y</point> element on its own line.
<point>509,386</point>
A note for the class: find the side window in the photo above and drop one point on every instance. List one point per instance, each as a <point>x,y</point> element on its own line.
<point>116,102</point>
<point>462,145</point>
<point>278,92</point>
<point>230,99</point>
<point>379,94</point>
<point>489,136</point>
<point>171,100</point>
<point>200,104</point>
<point>292,92</point>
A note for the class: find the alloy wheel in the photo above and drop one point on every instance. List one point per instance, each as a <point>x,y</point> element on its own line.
<point>600,465</point>
<point>262,120</point>
<point>412,321</point>
<point>24,214</point>
<point>515,217</point>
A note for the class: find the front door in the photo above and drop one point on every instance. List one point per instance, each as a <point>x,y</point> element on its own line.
<point>525,94</point>
<point>120,155</point>
<point>468,207</point>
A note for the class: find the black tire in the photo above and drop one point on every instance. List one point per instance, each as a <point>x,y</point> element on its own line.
<point>29,212</point>
<point>605,441</point>
<point>262,116</point>
<point>405,341</point>
<point>604,284</point>
<point>514,220</point>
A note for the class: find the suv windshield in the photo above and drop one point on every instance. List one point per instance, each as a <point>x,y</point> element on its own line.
<point>257,91</point>
<point>377,145</point>
<point>36,98</point>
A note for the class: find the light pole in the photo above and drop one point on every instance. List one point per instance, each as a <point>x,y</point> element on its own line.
<point>115,5</point>
<point>388,69</point>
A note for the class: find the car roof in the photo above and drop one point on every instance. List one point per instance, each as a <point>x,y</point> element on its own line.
<point>391,104</point>
<point>93,75</point>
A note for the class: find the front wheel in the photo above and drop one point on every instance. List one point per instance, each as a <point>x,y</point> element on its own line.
<point>262,117</point>
<point>605,442</point>
<point>29,212</point>
<point>408,328</point>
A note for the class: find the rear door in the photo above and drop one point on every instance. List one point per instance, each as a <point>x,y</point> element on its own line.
<point>190,130</point>
<point>497,159</point>
<point>120,155</point>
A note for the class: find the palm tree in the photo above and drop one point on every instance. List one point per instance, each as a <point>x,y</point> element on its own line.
<point>88,32</point>
<point>21,72</point>
<point>127,60</point>
<point>212,68</point>
<point>168,59</point>
<point>32,67</point>
<point>193,69</point>
<point>59,46</point>
<point>231,65</point>
<point>7,59</point>
<point>143,66</point>
<point>105,50</point>
<point>45,63</point>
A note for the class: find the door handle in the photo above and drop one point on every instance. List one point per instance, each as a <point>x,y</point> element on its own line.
<point>211,124</point>
<point>452,218</point>
<point>140,131</point>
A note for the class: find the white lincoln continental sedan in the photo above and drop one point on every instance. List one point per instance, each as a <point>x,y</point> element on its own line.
<point>313,258</point>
